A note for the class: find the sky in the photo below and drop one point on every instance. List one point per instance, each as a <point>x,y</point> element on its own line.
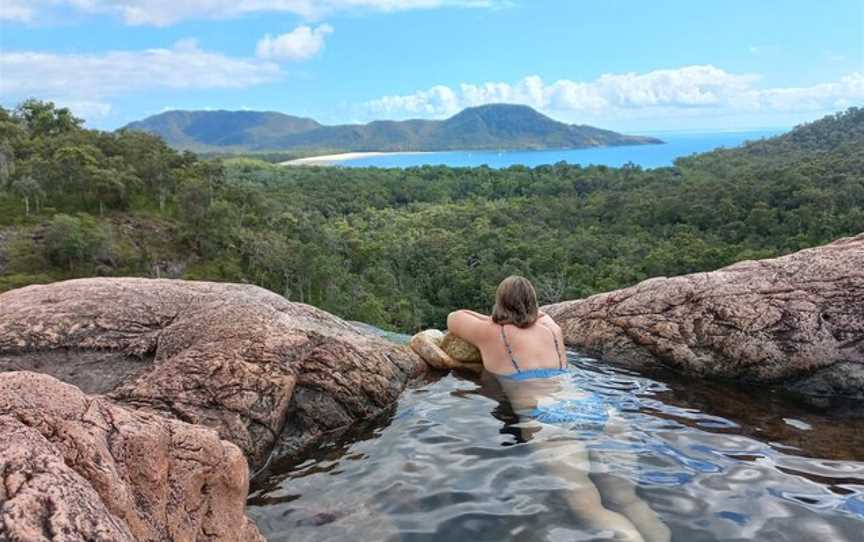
<point>630,65</point>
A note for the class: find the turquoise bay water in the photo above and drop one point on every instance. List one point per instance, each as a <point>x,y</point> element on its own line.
<point>648,156</point>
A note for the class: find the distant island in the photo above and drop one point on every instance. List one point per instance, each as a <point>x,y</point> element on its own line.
<point>495,126</point>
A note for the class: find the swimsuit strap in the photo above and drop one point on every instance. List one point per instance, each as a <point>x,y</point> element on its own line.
<point>509,350</point>
<point>557,348</point>
<point>513,358</point>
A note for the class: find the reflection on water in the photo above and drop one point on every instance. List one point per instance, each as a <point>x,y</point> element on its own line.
<point>716,461</point>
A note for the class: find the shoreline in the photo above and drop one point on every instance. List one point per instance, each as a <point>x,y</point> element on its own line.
<point>331,159</point>
<point>679,145</point>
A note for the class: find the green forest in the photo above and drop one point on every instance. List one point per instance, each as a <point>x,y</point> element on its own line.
<point>401,248</point>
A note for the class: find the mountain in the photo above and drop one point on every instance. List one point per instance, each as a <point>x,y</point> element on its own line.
<point>495,126</point>
<point>195,129</point>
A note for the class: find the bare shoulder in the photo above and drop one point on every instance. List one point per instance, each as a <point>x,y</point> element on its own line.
<point>487,328</point>
<point>547,321</point>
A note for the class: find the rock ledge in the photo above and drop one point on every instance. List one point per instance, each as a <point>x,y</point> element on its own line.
<point>796,320</point>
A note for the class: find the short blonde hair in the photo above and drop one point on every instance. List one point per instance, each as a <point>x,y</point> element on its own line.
<point>515,302</point>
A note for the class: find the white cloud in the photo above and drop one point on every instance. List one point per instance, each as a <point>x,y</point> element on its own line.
<point>687,91</point>
<point>85,109</point>
<point>84,76</point>
<point>83,82</point>
<point>846,92</point>
<point>301,43</point>
<point>16,10</point>
<point>168,12</point>
<point>436,101</point>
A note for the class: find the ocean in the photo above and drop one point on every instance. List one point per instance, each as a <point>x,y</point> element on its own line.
<point>648,156</point>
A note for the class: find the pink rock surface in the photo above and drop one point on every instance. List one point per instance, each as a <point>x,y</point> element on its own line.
<point>237,358</point>
<point>797,319</point>
<point>77,467</point>
<point>248,370</point>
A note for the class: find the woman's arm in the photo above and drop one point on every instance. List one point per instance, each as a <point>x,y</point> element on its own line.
<point>468,325</point>
<point>476,315</point>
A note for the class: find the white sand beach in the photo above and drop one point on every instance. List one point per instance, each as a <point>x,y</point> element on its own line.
<point>330,159</point>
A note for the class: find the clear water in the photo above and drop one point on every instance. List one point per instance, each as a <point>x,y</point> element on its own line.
<point>451,463</point>
<point>648,156</point>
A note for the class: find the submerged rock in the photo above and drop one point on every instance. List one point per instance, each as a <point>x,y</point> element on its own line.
<point>796,320</point>
<point>78,467</point>
<point>237,358</point>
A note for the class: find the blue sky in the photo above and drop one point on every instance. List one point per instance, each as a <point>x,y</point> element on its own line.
<point>634,66</point>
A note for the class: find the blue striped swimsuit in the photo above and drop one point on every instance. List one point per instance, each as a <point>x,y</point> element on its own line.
<point>588,412</point>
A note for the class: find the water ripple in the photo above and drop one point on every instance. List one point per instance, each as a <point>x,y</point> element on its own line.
<point>453,462</point>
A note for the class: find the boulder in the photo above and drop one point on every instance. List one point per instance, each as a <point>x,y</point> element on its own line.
<point>460,349</point>
<point>427,345</point>
<point>79,467</point>
<point>237,358</point>
<point>446,351</point>
<point>796,320</point>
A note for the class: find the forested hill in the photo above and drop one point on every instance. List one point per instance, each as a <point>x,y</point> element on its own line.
<point>842,132</point>
<point>498,126</point>
<point>401,248</point>
<point>825,135</point>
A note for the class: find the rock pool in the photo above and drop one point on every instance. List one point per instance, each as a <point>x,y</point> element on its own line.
<point>450,462</point>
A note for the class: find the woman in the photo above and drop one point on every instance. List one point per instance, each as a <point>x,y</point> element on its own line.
<point>524,349</point>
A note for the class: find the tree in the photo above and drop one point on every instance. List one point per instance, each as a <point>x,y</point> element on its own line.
<point>76,241</point>
<point>28,189</point>
<point>7,162</point>
<point>75,163</point>
<point>110,186</point>
<point>44,119</point>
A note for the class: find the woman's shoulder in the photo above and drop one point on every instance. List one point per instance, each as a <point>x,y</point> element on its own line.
<point>547,321</point>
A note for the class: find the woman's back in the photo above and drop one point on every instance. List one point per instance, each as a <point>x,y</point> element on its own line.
<point>508,349</point>
<point>535,359</point>
<point>525,359</point>
<point>517,342</point>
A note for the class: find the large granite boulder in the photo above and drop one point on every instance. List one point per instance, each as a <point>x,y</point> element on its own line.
<point>77,467</point>
<point>237,358</point>
<point>796,320</point>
